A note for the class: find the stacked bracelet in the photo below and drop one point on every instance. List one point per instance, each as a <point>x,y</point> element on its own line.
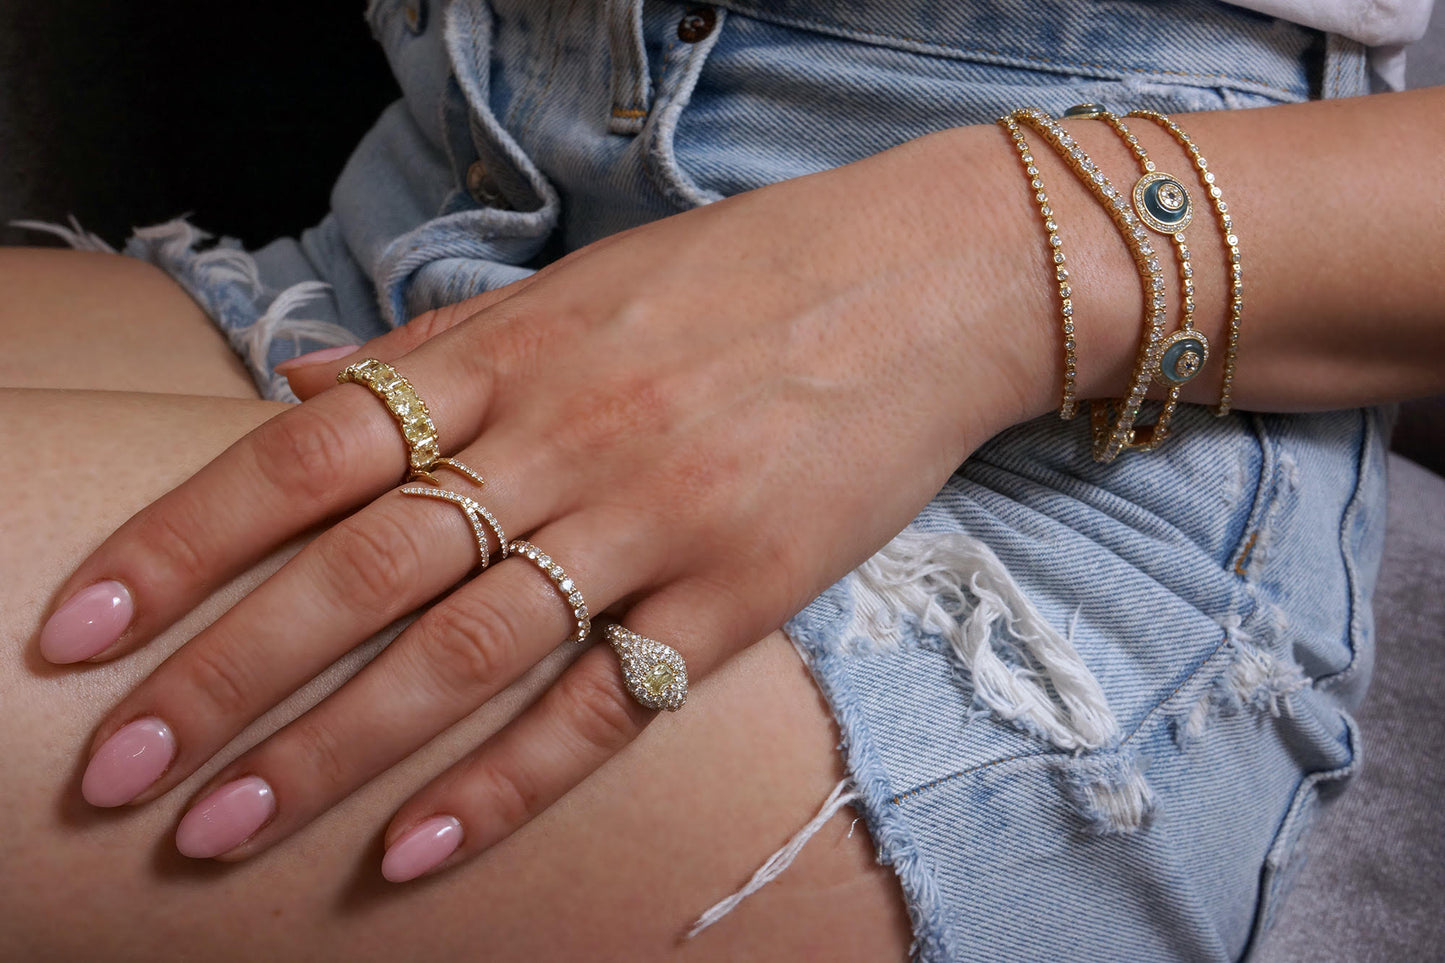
<point>1231,243</point>
<point>1067,404</point>
<point>1162,202</point>
<point>1113,421</point>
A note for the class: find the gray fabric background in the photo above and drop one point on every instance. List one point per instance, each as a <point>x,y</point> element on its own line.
<point>1373,888</point>
<point>1374,885</point>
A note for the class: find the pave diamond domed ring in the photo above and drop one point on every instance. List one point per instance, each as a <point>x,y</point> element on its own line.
<point>654,673</point>
<point>411,414</point>
<point>564,585</point>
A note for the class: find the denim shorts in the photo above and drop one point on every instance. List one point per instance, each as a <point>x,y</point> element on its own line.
<point>1087,710</point>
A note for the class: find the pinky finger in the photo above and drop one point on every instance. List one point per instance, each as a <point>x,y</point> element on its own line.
<point>584,719</point>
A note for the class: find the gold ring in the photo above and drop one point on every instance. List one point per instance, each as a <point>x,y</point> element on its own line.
<point>654,673</point>
<point>405,405</point>
<point>411,414</point>
<point>564,585</point>
<point>476,514</point>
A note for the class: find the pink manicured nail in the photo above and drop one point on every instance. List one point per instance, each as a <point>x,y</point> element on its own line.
<point>129,761</point>
<point>422,848</point>
<point>87,624</point>
<point>316,357</point>
<point>226,818</point>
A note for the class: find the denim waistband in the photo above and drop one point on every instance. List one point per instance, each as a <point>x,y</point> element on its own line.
<point>1203,42</point>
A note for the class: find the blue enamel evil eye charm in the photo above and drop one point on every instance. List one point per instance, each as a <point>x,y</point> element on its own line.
<point>1162,203</point>
<point>1181,357</point>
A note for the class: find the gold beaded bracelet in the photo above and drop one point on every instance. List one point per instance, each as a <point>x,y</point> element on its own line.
<point>1231,244</point>
<point>1113,421</point>
<point>1163,204</point>
<point>1068,406</point>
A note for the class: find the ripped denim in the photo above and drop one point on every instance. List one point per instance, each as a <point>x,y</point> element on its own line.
<point>1087,711</point>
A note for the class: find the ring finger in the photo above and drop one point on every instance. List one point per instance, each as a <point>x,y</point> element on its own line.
<point>583,720</point>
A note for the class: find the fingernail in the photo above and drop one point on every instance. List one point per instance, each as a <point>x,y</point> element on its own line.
<point>316,357</point>
<point>422,849</point>
<point>226,818</point>
<point>87,624</point>
<point>129,761</point>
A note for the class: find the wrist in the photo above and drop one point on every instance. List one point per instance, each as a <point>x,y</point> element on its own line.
<point>1007,342</point>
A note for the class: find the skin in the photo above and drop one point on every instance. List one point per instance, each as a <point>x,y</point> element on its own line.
<point>650,815</point>
<point>691,465</point>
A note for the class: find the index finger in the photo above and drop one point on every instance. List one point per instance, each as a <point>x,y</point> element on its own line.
<point>310,463</point>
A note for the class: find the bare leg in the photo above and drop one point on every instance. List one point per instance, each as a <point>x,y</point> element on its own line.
<point>76,319</point>
<point>617,870</point>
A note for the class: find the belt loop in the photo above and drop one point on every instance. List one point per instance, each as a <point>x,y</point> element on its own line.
<point>631,85</point>
<point>1346,68</point>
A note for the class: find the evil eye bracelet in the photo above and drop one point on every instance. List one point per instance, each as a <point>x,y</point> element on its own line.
<point>1231,244</point>
<point>1163,204</point>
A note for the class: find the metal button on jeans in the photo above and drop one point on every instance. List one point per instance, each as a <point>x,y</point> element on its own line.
<point>696,24</point>
<point>415,14</point>
<point>483,189</point>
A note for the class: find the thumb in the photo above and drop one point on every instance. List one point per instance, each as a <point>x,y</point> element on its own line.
<point>310,374</point>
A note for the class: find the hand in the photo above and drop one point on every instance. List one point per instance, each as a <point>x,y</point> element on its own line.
<point>706,421</point>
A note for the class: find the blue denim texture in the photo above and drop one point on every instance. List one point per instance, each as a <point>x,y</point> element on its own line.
<point>1248,544</point>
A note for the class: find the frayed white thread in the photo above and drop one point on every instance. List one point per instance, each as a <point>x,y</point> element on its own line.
<point>958,589</point>
<point>230,265</point>
<point>1253,678</point>
<point>1113,798</point>
<point>220,265</point>
<point>781,860</point>
<point>1191,725</point>
<point>1258,679</point>
<point>75,235</point>
<point>1289,469</point>
<point>1233,489</point>
<point>176,237</point>
<point>253,342</point>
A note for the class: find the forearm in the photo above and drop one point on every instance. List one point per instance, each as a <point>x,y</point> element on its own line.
<point>1339,211</point>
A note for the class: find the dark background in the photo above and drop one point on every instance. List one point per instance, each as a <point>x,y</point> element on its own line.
<point>131,112</point>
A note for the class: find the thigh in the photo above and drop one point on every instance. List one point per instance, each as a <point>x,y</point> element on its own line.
<point>617,870</point>
<point>81,319</point>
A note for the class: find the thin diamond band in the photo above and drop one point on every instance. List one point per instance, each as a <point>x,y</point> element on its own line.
<point>564,585</point>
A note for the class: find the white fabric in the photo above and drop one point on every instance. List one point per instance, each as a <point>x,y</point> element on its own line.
<point>1385,26</point>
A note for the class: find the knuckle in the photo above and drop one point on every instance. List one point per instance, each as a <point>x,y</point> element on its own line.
<point>221,679</point>
<point>513,346</point>
<point>428,325</point>
<point>376,553</point>
<point>171,542</point>
<point>471,642</point>
<point>637,408</point>
<point>305,454</point>
<point>320,755</point>
<point>599,711</point>
<point>512,797</point>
